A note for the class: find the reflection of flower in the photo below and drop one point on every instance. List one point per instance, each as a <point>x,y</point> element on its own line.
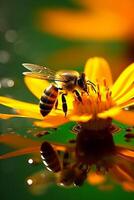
<point>107,162</point>
<point>97,109</point>
<point>89,22</point>
<point>111,161</point>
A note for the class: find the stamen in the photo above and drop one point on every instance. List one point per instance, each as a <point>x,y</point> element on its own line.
<point>99,96</point>
<point>107,95</point>
<point>110,93</point>
<point>105,83</point>
<point>95,103</point>
<point>91,105</point>
<point>98,87</point>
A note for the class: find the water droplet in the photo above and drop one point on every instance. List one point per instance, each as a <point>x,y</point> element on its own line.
<point>4,56</point>
<point>6,82</point>
<point>11,36</point>
<point>29,181</point>
<point>30,161</point>
<point>126,108</point>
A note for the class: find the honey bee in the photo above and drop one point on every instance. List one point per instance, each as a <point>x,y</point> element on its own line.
<point>62,83</point>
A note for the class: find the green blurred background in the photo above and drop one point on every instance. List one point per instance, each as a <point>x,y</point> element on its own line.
<point>60,34</point>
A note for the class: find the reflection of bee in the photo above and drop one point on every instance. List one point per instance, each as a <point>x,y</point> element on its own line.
<point>65,81</point>
<point>50,157</point>
<point>73,175</point>
<point>70,173</point>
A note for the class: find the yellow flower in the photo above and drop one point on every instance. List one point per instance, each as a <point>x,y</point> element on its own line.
<point>97,109</point>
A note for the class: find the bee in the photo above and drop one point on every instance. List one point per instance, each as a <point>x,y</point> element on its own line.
<point>50,157</point>
<point>62,83</point>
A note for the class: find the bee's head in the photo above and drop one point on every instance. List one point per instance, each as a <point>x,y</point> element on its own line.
<point>82,82</point>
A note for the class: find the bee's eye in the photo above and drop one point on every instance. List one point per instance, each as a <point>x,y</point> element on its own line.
<point>80,83</point>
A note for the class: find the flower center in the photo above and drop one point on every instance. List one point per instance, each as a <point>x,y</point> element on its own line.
<point>93,104</point>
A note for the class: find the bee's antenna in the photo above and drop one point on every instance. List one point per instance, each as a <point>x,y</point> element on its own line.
<point>92,85</point>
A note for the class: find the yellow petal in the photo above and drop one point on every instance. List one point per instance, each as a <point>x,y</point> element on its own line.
<point>15,104</point>
<point>126,104</point>
<point>34,149</point>
<point>121,173</point>
<point>31,114</point>
<point>109,113</point>
<point>25,151</point>
<point>125,117</point>
<point>36,86</point>
<point>52,121</point>
<point>8,116</point>
<point>125,152</point>
<point>82,118</point>
<point>128,96</point>
<point>128,186</point>
<point>125,80</point>
<point>17,141</point>
<point>22,113</point>
<point>98,69</point>
<point>96,179</point>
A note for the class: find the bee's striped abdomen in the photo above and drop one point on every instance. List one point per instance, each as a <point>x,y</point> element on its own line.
<point>50,157</point>
<point>48,99</point>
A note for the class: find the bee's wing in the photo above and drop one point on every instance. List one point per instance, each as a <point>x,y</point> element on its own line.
<point>42,72</point>
<point>39,76</point>
<point>38,68</point>
<point>38,71</point>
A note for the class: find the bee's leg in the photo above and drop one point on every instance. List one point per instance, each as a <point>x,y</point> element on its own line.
<point>66,159</point>
<point>93,88</point>
<point>88,91</point>
<point>64,104</point>
<point>77,95</point>
<point>56,104</point>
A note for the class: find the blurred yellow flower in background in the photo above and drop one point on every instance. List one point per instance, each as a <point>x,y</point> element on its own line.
<point>98,20</point>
